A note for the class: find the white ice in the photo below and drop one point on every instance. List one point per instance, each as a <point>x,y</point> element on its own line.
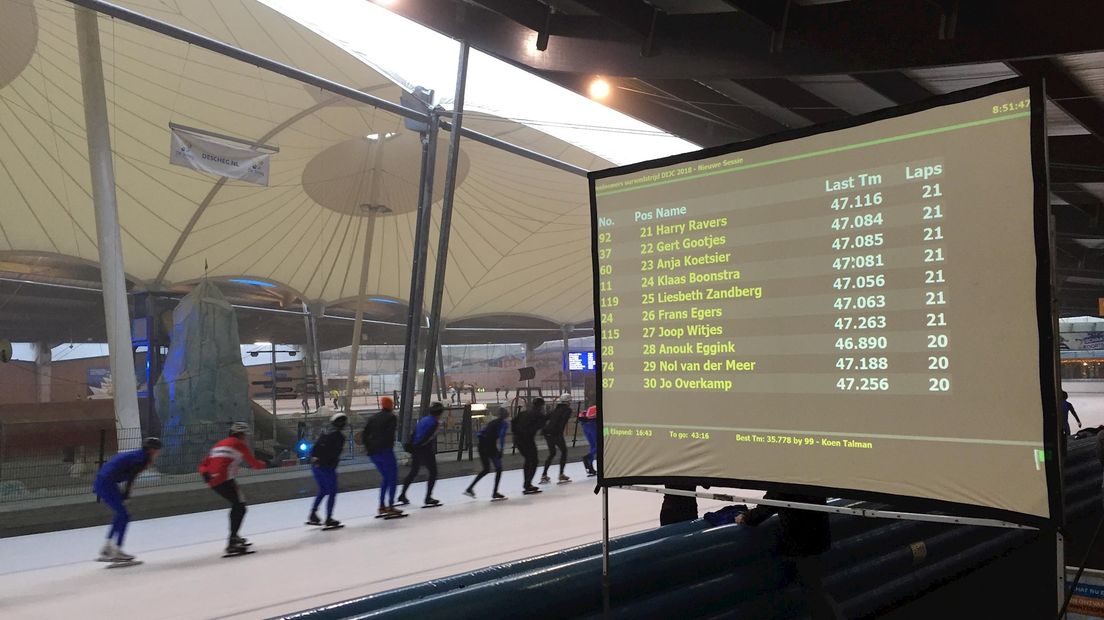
<point>51,576</point>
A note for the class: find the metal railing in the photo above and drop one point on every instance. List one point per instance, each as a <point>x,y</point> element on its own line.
<point>40,460</point>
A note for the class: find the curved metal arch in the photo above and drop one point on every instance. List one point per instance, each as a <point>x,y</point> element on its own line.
<point>367,297</point>
<point>552,323</point>
<point>138,283</point>
<point>277,285</point>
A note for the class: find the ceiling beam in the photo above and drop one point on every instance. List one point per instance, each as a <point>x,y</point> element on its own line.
<point>1066,91</point>
<point>744,121</point>
<point>894,85</point>
<point>642,20</point>
<point>843,37</point>
<point>686,123</point>
<point>794,98</point>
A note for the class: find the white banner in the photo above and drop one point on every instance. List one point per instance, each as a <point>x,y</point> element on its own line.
<point>218,157</point>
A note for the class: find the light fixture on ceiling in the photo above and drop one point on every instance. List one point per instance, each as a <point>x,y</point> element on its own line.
<point>599,89</point>
<point>373,137</point>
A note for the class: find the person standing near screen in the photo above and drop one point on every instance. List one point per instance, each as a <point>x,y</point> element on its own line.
<point>1067,411</point>
<point>422,452</point>
<point>554,437</point>
<point>379,443</point>
<point>589,420</point>
<point>526,426</point>
<point>492,442</point>
<point>123,469</point>
<point>805,535</point>
<point>678,508</point>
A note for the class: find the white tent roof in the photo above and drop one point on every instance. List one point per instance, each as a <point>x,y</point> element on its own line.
<point>520,241</point>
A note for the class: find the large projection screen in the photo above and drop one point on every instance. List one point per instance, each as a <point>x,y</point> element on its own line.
<point>860,308</point>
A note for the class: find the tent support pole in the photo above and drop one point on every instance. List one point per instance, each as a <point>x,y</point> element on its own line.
<point>567,329</point>
<point>414,314</point>
<point>108,238</point>
<point>373,211</point>
<point>605,554</point>
<point>441,391</point>
<point>446,226</point>
<point>308,349</point>
<point>274,384</point>
<point>316,312</point>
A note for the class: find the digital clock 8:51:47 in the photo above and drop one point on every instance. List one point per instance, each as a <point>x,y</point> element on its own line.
<point>1012,106</point>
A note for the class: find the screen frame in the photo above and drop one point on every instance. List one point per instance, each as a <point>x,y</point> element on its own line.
<point>1045,308</point>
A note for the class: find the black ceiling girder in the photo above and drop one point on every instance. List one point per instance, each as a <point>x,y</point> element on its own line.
<point>672,116</point>
<point>750,122</point>
<point>1066,91</point>
<point>894,85</point>
<point>794,98</point>
<point>862,36</point>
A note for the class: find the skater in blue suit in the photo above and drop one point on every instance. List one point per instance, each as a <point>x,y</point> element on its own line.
<point>589,421</point>
<point>123,469</point>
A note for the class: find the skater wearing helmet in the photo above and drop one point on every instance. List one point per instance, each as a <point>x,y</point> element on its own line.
<point>379,442</point>
<point>123,468</point>
<point>492,441</point>
<point>219,469</point>
<point>554,437</point>
<point>589,420</point>
<point>324,456</point>
<point>422,452</point>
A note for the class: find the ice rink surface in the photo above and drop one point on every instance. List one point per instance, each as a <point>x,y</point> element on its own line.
<point>51,576</point>
<point>1089,404</point>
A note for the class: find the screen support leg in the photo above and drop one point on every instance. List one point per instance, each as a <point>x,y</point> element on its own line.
<point>1060,553</point>
<point>605,554</point>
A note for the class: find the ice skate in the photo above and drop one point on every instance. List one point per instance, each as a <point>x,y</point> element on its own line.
<point>498,497</point>
<point>314,520</point>
<point>563,479</point>
<point>123,563</point>
<point>402,501</point>
<point>470,493</point>
<point>591,474</point>
<point>394,513</point>
<point>531,491</point>
<point>431,503</point>
<point>121,556</point>
<point>332,524</point>
<point>240,542</point>
<point>107,554</point>
<point>233,549</point>
<point>545,480</point>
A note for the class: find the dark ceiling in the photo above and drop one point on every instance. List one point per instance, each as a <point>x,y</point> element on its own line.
<point>721,71</point>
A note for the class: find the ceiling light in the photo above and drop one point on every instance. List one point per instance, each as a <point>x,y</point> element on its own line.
<point>599,89</point>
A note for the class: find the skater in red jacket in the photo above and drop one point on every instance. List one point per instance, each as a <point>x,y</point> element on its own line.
<point>219,469</point>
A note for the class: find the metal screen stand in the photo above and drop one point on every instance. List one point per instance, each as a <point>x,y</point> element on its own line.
<point>605,554</point>
<point>843,510</point>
